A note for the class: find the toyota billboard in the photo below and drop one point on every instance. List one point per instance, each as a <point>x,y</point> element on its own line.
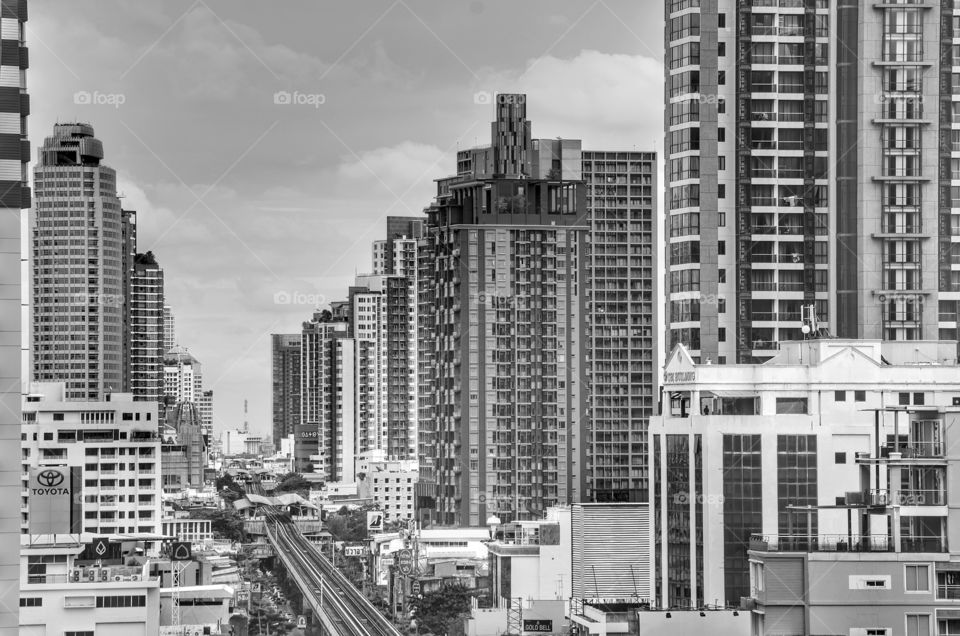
<point>54,498</point>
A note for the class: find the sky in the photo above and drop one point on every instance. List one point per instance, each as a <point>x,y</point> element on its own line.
<point>263,145</point>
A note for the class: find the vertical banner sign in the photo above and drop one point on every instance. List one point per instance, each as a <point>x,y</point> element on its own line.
<point>374,521</point>
<point>54,500</point>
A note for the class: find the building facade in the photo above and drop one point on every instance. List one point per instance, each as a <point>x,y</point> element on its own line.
<point>286,374</point>
<point>761,224</point>
<point>182,376</point>
<point>145,333</point>
<point>892,571</point>
<point>169,329</point>
<point>80,273</point>
<point>775,449</point>
<point>115,443</point>
<point>502,332</point>
<point>622,282</point>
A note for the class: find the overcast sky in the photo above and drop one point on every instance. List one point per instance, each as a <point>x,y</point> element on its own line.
<point>245,201</point>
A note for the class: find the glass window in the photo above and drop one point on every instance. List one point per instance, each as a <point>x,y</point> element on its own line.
<point>839,396</point>
<point>791,405</point>
<point>917,578</point>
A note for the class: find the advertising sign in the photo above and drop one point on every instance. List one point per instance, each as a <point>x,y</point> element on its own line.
<point>537,625</point>
<point>354,551</point>
<point>181,551</point>
<point>374,521</point>
<point>405,561</point>
<point>55,500</point>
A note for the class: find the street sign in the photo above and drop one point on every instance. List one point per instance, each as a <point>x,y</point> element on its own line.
<point>405,561</point>
<point>302,622</point>
<point>415,588</point>
<point>353,550</point>
<point>537,625</point>
<point>181,551</point>
<point>374,521</point>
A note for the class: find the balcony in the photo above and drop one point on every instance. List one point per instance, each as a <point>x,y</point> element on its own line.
<point>844,543</point>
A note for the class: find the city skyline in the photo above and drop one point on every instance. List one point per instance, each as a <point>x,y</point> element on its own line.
<point>278,162</point>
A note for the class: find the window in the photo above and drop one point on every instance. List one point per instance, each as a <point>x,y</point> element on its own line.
<point>903,399</point>
<point>722,191</point>
<point>721,245</point>
<point>722,275</point>
<point>721,77</point>
<point>917,578</point>
<point>722,20</point>
<point>721,163</point>
<point>839,458</point>
<point>721,49</point>
<point>839,396</point>
<point>918,399</point>
<point>722,334</point>
<point>918,625</point>
<point>721,134</point>
<point>791,405</point>
<point>58,417</point>
<point>31,601</point>
<point>860,396</point>
<point>80,633</point>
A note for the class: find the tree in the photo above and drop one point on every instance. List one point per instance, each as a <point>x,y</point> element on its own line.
<point>292,482</point>
<point>228,488</point>
<point>225,524</point>
<point>349,525</point>
<point>442,610</point>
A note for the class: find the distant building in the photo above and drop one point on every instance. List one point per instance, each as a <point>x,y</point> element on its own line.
<point>775,449</point>
<point>287,379</point>
<point>182,376</point>
<point>184,451</point>
<point>196,531</point>
<point>205,406</point>
<point>146,329</point>
<point>115,443</point>
<point>169,329</point>
<point>391,483</point>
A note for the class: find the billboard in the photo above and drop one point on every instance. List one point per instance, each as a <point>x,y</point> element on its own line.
<point>54,500</point>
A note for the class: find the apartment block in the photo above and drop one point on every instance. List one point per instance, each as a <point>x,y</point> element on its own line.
<point>503,328</point>
<point>145,328</point>
<point>777,449</point>
<point>182,376</point>
<point>286,373</point>
<point>116,444</point>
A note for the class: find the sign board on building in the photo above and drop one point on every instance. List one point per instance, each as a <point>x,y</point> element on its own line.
<point>354,551</point>
<point>374,521</point>
<point>537,625</point>
<point>100,549</point>
<point>306,431</point>
<point>181,551</point>
<point>405,561</point>
<point>54,497</point>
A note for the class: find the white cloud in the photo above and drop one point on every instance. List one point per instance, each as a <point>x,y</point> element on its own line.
<point>407,168</point>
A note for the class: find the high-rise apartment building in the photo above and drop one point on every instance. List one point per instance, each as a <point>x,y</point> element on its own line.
<point>145,333</point>
<point>205,408</point>
<point>622,283</point>
<point>503,322</point>
<point>14,201</point>
<point>116,445</point>
<point>397,254</point>
<point>325,441</point>
<point>80,267</point>
<point>761,224</point>
<point>783,449</point>
<point>287,375</point>
<point>169,329</point>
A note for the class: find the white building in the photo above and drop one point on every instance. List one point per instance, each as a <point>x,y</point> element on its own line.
<point>389,482</point>
<point>59,594</point>
<point>772,450</point>
<point>182,376</point>
<point>196,531</point>
<point>116,445</point>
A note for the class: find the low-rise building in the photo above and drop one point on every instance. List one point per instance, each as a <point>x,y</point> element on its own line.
<point>186,529</point>
<point>115,446</point>
<point>772,449</point>
<point>64,591</point>
<point>391,483</point>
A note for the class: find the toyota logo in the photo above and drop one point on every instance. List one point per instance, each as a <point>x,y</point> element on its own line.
<point>50,478</point>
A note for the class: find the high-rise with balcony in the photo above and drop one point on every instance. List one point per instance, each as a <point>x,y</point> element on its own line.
<point>503,328</point>
<point>622,287</point>
<point>14,202</point>
<point>80,267</point>
<point>287,376</point>
<point>809,163</point>
<point>145,331</point>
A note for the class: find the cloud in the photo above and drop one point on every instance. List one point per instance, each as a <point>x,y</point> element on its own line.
<point>406,167</point>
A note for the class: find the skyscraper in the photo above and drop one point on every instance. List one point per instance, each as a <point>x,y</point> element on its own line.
<point>287,376</point>
<point>502,345</point>
<point>182,376</point>
<point>622,283</point>
<point>145,307</point>
<point>14,200</point>
<point>761,223</point>
<point>79,274</point>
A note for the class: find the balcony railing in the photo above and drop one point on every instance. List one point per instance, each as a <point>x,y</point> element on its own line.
<point>906,497</point>
<point>948,592</point>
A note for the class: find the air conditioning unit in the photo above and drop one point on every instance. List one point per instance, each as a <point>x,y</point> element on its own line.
<point>117,577</point>
<point>75,576</point>
<point>91,574</point>
<point>135,577</point>
<point>104,574</point>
